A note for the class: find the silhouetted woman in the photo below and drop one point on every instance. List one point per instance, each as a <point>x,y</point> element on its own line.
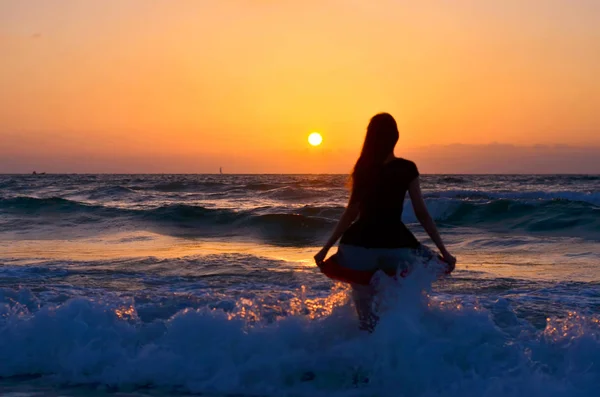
<point>378,240</point>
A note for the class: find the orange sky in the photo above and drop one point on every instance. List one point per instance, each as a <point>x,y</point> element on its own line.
<point>241,83</point>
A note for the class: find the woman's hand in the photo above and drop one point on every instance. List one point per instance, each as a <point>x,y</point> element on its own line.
<point>349,215</point>
<point>321,255</point>
<point>450,260</point>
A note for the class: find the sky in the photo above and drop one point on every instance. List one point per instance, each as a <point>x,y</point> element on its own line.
<point>190,86</point>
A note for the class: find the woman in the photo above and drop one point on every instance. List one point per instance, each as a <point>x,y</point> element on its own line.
<point>379,240</point>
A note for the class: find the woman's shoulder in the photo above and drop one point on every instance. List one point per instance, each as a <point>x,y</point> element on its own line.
<point>402,162</point>
<point>407,169</point>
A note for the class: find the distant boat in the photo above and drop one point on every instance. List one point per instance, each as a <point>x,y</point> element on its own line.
<point>220,170</point>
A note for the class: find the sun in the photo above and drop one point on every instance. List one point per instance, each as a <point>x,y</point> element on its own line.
<point>315,139</point>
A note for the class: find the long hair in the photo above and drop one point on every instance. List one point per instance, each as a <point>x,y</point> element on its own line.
<point>380,140</point>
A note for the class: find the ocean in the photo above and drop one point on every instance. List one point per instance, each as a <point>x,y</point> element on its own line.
<point>204,284</point>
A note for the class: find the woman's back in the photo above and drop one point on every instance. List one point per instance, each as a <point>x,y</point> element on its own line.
<point>380,219</point>
<point>386,199</point>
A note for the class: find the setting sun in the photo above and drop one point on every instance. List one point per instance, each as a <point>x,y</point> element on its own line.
<point>315,139</point>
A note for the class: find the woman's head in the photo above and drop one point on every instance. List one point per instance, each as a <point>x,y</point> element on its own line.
<point>382,136</point>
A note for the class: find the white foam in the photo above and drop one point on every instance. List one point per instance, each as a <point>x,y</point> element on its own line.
<point>424,346</point>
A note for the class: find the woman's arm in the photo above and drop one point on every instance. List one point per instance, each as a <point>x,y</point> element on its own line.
<point>349,215</point>
<point>416,197</point>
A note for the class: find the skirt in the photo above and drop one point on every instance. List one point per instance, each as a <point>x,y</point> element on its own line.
<point>357,265</point>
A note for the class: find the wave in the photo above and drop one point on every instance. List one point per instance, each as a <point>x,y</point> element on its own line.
<point>586,177</point>
<point>273,227</point>
<point>6,184</point>
<point>505,214</point>
<point>109,192</point>
<point>421,349</point>
<point>451,179</point>
<point>248,187</point>
<point>282,222</point>
<point>305,192</point>
<point>260,186</point>
<point>225,185</point>
<point>276,225</point>
<point>171,212</point>
<point>185,186</point>
<point>288,193</point>
<point>584,197</point>
<point>549,216</point>
<point>52,204</point>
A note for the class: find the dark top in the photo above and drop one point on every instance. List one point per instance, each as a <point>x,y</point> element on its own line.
<point>380,220</point>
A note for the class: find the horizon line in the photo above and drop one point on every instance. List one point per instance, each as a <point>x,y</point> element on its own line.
<point>273,173</point>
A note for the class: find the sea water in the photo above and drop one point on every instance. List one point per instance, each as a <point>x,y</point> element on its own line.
<point>204,284</point>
